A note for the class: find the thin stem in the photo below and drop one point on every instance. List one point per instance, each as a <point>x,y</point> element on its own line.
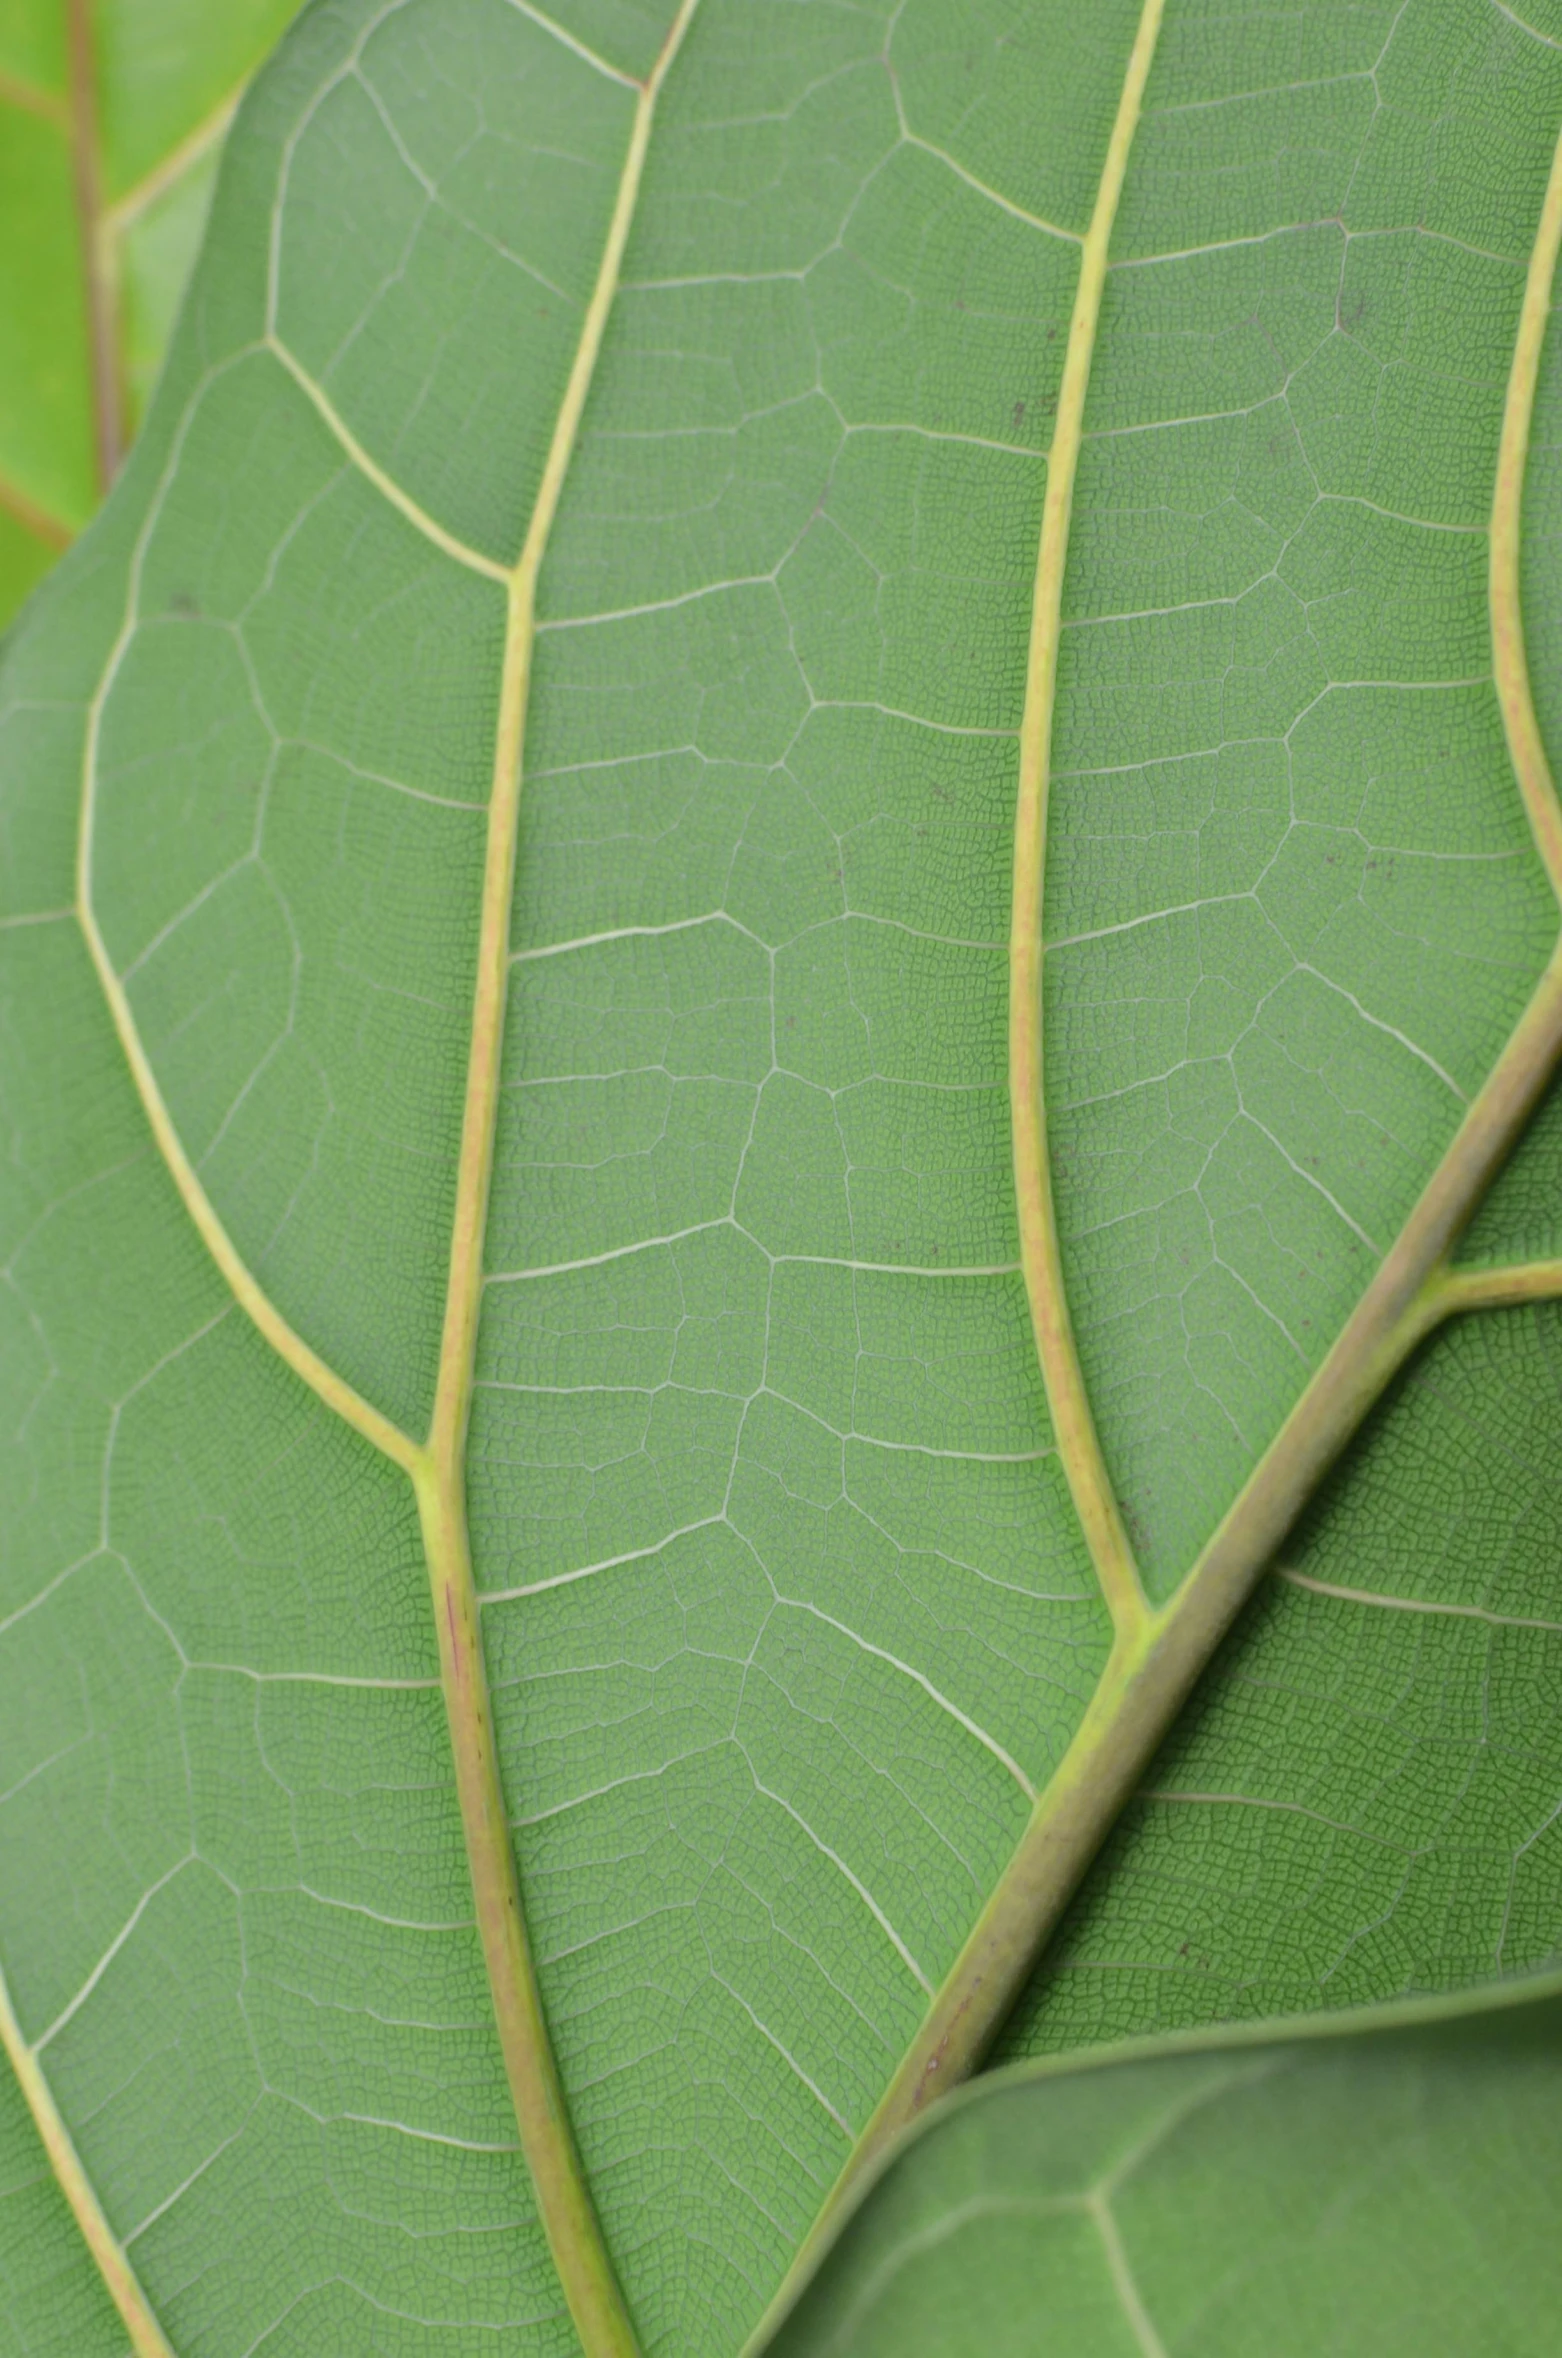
<point>102,341</point>
<point>30,100</point>
<point>172,167</point>
<point>34,519</point>
<point>1500,1289</point>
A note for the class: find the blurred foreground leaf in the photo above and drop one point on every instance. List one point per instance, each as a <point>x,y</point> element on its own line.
<point>1376,2185</point>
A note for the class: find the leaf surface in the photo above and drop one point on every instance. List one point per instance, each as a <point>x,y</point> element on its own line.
<point>526,1095</point>
<point>1362,1798</point>
<point>1385,2187</point>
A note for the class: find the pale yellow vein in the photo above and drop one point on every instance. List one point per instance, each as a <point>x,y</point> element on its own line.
<point>1510,661</point>
<point>1078,1444</point>
<point>147,2339</point>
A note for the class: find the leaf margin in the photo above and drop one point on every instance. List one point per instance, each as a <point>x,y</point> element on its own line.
<point>1159,1652</point>
<point>1537,1987</point>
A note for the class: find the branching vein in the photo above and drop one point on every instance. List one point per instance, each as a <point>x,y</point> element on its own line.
<point>1159,1652</point>
<point>438,1466</point>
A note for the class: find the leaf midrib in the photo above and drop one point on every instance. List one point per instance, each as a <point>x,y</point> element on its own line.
<point>437,1466</point>
<point>87,174</point>
<point>1159,1652</point>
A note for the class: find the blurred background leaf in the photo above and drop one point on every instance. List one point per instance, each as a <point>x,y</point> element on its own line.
<point>112,116</point>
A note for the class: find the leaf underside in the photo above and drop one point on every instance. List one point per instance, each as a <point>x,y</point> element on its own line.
<point>1376,2194</point>
<point>788,1614</point>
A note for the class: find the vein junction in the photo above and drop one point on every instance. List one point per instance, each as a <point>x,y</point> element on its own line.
<point>437,1465</point>
<point>1159,1650</point>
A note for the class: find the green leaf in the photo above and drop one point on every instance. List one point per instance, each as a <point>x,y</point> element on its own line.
<point>772,892</point>
<point>111,119</point>
<point>1362,1797</point>
<point>1377,2186</point>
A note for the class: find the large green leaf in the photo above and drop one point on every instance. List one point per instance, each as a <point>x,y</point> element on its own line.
<point>111,119</point>
<point>1384,2190</point>
<point>824,459</point>
<point>1364,1796</point>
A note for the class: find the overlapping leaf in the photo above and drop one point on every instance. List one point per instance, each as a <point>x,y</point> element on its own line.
<point>1379,2190</point>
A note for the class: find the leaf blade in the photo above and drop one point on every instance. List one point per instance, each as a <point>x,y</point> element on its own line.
<point>785,1597</point>
<point>1365,2187</point>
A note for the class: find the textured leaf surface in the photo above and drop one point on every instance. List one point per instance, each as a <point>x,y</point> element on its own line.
<point>1376,2193</point>
<point>1363,1797</point>
<point>111,119</point>
<point>789,1613</point>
